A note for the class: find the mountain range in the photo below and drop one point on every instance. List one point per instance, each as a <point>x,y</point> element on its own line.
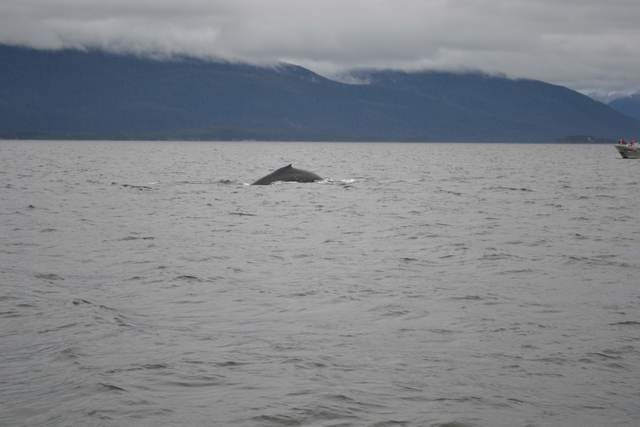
<point>629,105</point>
<point>77,94</point>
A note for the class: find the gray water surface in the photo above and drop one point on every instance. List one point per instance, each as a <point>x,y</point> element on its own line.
<point>145,283</point>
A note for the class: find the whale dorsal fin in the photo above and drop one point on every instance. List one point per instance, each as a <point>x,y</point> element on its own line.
<point>288,166</point>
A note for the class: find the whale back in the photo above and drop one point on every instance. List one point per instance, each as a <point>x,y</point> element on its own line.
<point>289,174</point>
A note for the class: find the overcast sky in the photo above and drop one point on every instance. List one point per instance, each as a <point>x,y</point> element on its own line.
<point>587,45</point>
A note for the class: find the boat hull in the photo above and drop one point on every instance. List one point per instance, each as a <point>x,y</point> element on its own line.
<point>628,152</point>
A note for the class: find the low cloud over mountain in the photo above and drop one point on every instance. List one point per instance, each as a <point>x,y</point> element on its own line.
<point>588,45</point>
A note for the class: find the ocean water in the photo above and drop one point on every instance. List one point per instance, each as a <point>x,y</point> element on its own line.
<point>146,284</point>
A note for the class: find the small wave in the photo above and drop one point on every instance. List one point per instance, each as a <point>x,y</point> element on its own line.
<point>134,187</point>
<point>469,298</point>
<point>144,367</point>
<point>122,321</point>
<point>581,218</point>
<point>334,412</point>
<point>626,323</point>
<point>391,423</point>
<point>311,364</point>
<point>281,420</point>
<point>229,364</point>
<point>391,310</point>
<point>458,399</point>
<point>442,331</point>
<point>57,328</point>
<point>552,360</point>
<point>222,181</point>
<point>242,214</point>
<point>516,271</point>
<point>600,260</point>
<point>112,387</point>
<point>102,414</point>
<point>453,193</point>
<point>18,244</point>
<point>514,242</point>
<point>594,407</point>
<point>340,398</point>
<point>70,353</point>
<point>298,294</point>
<point>453,424</point>
<point>497,256</point>
<point>25,305</point>
<point>201,381</point>
<point>148,366</point>
<point>155,366</point>
<point>48,276</point>
<point>505,188</point>
<point>127,238</point>
<point>9,314</point>
<point>602,355</point>
<point>188,278</point>
<point>187,301</point>
<point>103,313</point>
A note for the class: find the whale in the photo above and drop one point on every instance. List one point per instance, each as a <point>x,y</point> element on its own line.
<point>289,174</point>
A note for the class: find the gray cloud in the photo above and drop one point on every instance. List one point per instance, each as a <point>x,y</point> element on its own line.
<point>587,45</point>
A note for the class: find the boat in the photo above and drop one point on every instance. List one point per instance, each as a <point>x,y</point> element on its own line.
<point>628,151</point>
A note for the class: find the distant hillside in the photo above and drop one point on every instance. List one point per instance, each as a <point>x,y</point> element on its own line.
<point>75,94</point>
<point>629,105</point>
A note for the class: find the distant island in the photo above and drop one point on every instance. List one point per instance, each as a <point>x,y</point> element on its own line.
<point>73,94</point>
